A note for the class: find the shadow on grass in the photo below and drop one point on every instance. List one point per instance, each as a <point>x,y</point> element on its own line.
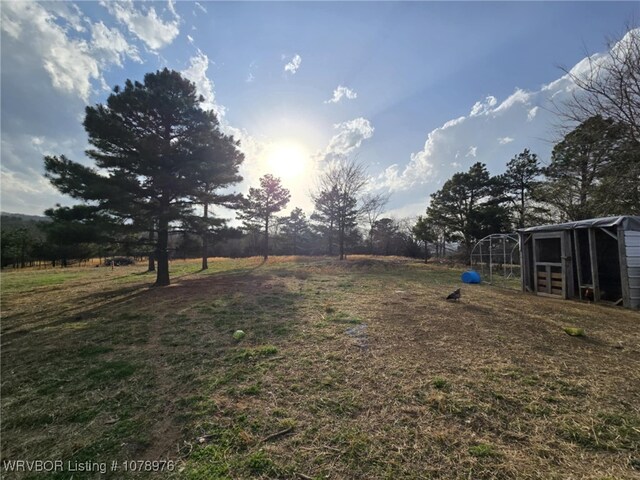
<point>142,351</point>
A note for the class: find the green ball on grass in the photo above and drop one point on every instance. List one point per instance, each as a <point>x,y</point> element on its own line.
<point>239,334</point>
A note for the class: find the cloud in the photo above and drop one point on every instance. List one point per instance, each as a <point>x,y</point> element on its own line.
<point>190,38</point>
<point>293,65</point>
<point>197,73</point>
<point>110,46</point>
<point>342,92</point>
<point>483,106</point>
<point>518,97</point>
<point>467,139</point>
<point>408,210</point>
<point>526,115</point>
<point>67,61</point>
<point>250,78</point>
<point>24,188</point>
<point>350,136</point>
<point>26,193</point>
<point>70,14</point>
<point>421,167</point>
<point>200,7</point>
<point>145,23</point>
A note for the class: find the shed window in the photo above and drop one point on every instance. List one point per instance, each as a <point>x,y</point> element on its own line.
<point>549,250</point>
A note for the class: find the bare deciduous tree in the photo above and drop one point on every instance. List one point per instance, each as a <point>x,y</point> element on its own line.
<point>371,209</point>
<point>609,86</point>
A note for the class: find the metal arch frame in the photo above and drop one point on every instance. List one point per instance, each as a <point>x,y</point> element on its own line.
<point>500,237</point>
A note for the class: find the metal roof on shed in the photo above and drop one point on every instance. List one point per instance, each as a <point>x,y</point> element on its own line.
<point>628,222</point>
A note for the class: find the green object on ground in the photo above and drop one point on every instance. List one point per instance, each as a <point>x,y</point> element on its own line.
<point>574,332</point>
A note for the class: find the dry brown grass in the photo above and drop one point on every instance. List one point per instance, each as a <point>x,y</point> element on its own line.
<point>356,369</point>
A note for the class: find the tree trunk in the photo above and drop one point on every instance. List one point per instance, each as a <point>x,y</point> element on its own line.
<point>152,262</point>
<point>341,239</point>
<point>331,238</point>
<point>426,252</point>
<point>162,254</point>
<point>205,239</point>
<point>266,239</point>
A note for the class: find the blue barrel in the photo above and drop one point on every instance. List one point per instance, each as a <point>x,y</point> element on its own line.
<point>471,276</point>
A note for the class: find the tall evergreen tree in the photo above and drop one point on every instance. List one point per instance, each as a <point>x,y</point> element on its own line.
<point>467,207</point>
<point>383,234</point>
<point>222,174</point>
<point>580,165</point>
<point>325,215</point>
<point>295,227</point>
<point>152,144</point>
<point>520,183</point>
<point>262,203</point>
<point>423,230</point>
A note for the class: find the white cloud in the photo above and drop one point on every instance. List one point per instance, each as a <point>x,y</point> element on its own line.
<point>518,97</point>
<point>109,45</point>
<point>24,188</point>
<point>421,167</point>
<point>250,78</point>
<point>190,38</point>
<point>67,61</point>
<point>350,136</point>
<point>172,8</point>
<point>293,65</point>
<point>410,210</point>
<point>197,73</point>
<point>483,107</point>
<point>462,141</point>
<point>202,9</point>
<point>145,23</point>
<point>70,13</point>
<point>342,92</point>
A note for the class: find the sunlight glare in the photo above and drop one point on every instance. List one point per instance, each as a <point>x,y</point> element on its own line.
<point>287,160</point>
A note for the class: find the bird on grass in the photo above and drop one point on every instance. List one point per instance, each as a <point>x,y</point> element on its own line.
<point>455,295</point>
<point>588,294</point>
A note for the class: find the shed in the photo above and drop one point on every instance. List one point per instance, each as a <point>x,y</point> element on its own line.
<point>596,260</point>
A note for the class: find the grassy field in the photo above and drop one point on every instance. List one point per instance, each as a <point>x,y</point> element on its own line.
<point>354,370</point>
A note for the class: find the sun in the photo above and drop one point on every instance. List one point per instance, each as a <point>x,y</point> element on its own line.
<point>287,160</point>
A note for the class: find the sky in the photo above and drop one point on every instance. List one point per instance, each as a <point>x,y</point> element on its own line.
<point>416,91</point>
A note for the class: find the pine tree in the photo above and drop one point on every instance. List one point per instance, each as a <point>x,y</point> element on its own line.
<point>152,145</point>
<point>325,215</point>
<point>467,206</point>
<point>262,203</point>
<point>580,163</point>
<point>423,230</point>
<point>520,184</point>
<point>295,227</point>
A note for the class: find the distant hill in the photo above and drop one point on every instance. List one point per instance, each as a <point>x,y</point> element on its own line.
<point>14,221</point>
<point>17,217</point>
